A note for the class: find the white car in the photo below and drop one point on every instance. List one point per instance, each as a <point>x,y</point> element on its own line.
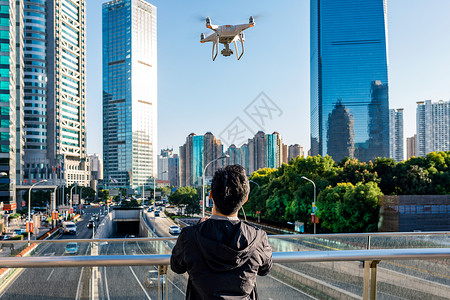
<point>174,229</point>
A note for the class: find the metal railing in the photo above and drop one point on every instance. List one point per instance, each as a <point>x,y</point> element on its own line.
<point>371,258</point>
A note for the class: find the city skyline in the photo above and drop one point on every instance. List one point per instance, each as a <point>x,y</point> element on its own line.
<point>417,69</point>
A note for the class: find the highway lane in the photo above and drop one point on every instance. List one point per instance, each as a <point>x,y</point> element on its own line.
<point>268,286</point>
<point>113,285</point>
<point>54,283</point>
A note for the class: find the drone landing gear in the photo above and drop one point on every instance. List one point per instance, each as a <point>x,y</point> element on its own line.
<point>227,51</point>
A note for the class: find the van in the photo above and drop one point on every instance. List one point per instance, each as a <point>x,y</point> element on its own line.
<point>69,228</point>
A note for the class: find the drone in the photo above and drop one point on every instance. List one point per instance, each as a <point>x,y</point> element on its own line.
<point>226,34</point>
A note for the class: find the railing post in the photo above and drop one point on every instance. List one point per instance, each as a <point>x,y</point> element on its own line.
<point>370,280</point>
<point>162,273</point>
<point>373,280</point>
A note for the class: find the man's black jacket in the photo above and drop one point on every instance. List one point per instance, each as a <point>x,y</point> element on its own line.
<point>222,258</point>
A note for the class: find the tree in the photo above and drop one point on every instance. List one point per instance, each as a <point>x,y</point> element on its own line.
<point>186,196</point>
<point>349,208</point>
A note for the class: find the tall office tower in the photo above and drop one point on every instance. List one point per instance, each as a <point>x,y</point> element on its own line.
<point>396,134</point>
<point>55,92</point>
<point>433,127</point>
<point>96,170</point>
<point>411,146</point>
<point>349,71</point>
<point>129,92</point>
<point>294,151</point>
<point>11,105</point>
<point>168,166</point>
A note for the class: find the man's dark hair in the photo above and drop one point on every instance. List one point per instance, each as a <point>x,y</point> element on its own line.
<point>230,189</point>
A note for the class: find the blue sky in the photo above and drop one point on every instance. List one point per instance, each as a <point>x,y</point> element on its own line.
<point>198,95</point>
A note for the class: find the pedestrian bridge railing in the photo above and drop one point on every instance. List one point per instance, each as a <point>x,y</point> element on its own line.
<point>331,266</point>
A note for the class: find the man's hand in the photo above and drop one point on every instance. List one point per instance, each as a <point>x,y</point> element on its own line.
<point>204,219</point>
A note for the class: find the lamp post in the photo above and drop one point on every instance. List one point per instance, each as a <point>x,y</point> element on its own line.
<point>258,212</point>
<point>79,200</point>
<point>29,207</point>
<point>71,201</point>
<point>154,189</point>
<point>314,202</point>
<point>203,181</point>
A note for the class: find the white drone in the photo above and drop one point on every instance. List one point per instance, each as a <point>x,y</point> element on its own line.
<point>226,34</point>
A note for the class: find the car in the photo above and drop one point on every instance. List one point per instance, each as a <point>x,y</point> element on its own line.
<point>69,228</point>
<point>91,224</point>
<point>150,209</point>
<point>5,237</point>
<point>151,279</point>
<point>156,213</point>
<point>71,248</point>
<point>174,229</point>
<point>20,231</point>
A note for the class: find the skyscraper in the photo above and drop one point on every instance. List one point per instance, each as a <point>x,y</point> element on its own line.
<point>129,92</point>
<point>168,166</point>
<point>433,127</point>
<point>11,92</point>
<point>396,134</point>
<point>349,68</point>
<point>55,92</point>
<point>195,154</point>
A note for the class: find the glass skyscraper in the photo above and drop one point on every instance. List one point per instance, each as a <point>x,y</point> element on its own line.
<point>349,79</point>
<point>129,92</point>
<point>55,92</point>
<point>11,97</point>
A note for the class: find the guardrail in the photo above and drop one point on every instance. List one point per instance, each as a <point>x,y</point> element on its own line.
<point>371,258</point>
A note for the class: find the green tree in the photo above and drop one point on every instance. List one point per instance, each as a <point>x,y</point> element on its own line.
<point>188,197</point>
<point>349,208</point>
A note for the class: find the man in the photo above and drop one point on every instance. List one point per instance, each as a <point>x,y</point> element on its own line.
<point>223,255</point>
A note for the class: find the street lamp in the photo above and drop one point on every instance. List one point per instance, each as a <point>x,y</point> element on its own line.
<point>154,189</point>
<point>71,202</point>
<point>203,181</point>
<point>314,202</point>
<point>258,212</point>
<point>29,207</point>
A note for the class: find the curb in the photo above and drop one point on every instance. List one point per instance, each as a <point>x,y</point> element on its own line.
<point>7,274</point>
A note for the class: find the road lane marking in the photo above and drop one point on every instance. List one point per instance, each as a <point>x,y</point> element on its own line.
<point>134,274</point>
<point>294,288</point>
<point>48,278</point>
<point>79,286</point>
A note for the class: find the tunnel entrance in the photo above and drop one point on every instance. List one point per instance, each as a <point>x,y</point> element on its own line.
<point>127,227</point>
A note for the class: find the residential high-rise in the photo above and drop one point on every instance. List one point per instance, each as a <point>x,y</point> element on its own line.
<point>195,154</point>
<point>129,92</point>
<point>294,151</point>
<point>11,93</point>
<point>349,69</point>
<point>261,151</point>
<point>433,127</point>
<point>396,134</point>
<point>411,146</point>
<point>55,92</point>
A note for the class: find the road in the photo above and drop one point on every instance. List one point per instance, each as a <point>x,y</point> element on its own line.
<point>268,286</point>
<point>54,283</point>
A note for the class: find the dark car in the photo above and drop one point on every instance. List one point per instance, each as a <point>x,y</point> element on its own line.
<point>91,224</point>
<point>156,213</point>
